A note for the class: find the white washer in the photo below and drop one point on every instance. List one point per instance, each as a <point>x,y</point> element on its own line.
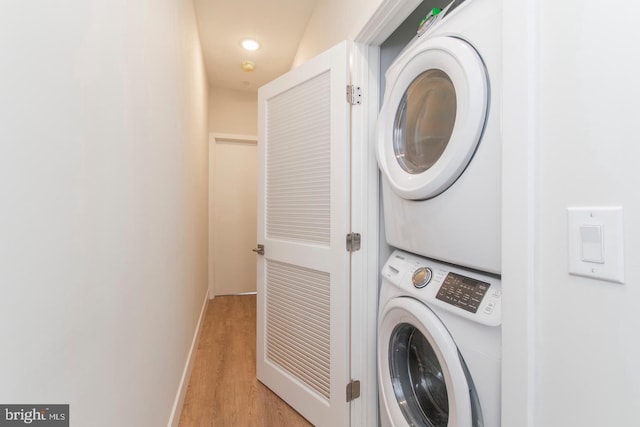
<point>439,143</point>
<point>439,345</point>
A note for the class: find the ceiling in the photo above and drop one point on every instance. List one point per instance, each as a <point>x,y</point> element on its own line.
<point>277,24</point>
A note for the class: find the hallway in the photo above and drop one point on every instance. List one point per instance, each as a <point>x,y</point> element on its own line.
<point>223,390</point>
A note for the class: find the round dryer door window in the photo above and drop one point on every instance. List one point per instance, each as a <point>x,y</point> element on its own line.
<point>424,121</point>
<point>423,379</point>
<point>432,117</point>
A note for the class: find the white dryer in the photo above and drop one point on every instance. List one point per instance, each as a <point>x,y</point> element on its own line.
<point>439,345</point>
<point>438,139</point>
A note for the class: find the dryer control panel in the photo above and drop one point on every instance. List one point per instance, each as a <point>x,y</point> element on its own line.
<point>467,293</point>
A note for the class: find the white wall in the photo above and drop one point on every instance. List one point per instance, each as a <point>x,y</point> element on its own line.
<point>333,21</point>
<point>587,349</point>
<point>103,195</point>
<point>233,111</point>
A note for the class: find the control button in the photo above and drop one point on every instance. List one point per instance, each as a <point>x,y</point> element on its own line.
<point>489,308</point>
<point>421,277</point>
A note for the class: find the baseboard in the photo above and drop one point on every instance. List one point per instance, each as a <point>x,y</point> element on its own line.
<point>176,411</point>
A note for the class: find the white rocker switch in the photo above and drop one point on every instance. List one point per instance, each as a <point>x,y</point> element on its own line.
<point>591,239</point>
<point>596,249</point>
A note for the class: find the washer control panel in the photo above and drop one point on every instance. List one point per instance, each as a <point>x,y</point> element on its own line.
<point>467,293</point>
<point>462,291</point>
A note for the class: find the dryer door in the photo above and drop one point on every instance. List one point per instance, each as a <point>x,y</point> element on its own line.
<point>432,117</point>
<point>423,378</point>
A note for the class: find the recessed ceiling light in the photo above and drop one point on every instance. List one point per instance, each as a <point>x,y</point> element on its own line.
<point>250,44</point>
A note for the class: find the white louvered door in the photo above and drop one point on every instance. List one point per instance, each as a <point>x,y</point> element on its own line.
<point>303,219</point>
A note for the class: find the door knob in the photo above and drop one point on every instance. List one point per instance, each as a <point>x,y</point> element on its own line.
<point>259,250</point>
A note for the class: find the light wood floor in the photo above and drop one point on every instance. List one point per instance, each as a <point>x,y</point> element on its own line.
<point>223,390</point>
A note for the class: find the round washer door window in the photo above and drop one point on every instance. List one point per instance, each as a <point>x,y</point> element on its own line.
<point>422,378</point>
<point>432,117</point>
<point>417,378</point>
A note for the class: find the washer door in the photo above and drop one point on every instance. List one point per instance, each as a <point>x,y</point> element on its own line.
<point>432,117</point>
<point>423,379</point>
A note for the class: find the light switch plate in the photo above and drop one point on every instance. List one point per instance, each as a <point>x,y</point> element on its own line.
<point>609,263</point>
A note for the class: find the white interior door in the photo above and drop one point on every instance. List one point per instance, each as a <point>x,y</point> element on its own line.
<point>303,219</point>
<point>233,210</point>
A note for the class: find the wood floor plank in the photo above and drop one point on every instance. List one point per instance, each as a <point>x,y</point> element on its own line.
<point>223,389</point>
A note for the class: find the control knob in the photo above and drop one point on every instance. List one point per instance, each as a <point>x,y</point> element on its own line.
<point>421,277</point>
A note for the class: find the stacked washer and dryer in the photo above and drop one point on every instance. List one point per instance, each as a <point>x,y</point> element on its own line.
<point>439,151</point>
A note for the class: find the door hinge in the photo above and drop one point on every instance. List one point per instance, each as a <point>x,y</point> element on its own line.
<point>354,95</point>
<point>353,242</point>
<point>353,390</point>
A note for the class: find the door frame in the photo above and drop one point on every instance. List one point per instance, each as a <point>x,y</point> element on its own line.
<point>213,138</point>
<point>365,213</point>
<point>520,45</point>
